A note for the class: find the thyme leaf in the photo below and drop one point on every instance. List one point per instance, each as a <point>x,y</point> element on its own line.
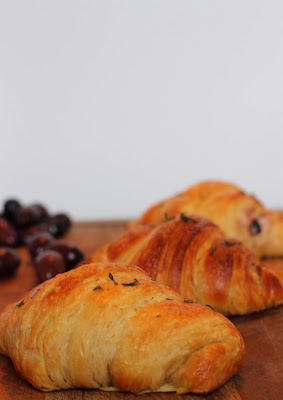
<point>98,287</point>
<point>229,243</point>
<point>112,278</point>
<point>20,304</point>
<point>208,305</point>
<point>167,218</point>
<point>136,282</point>
<point>168,299</point>
<point>212,251</point>
<point>35,293</point>
<point>185,218</point>
<point>189,301</point>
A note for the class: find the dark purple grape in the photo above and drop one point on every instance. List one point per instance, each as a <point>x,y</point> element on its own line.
<point>11,208</point>
<point>8,235</point>
<point>59,224</point>
<point>38,242</point>
<point>9,261</point>
<point>31,215</point>
<point>71,252</point>
<point>23,218</point>
<point>40,211</point>
<point>26,233</point>
<point>48,264</point>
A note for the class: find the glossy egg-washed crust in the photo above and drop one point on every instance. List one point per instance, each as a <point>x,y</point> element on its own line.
<point>87,329</point>
<point>230,208</point>
<point>192,256</point>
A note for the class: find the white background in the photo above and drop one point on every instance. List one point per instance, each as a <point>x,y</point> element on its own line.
<point>109,106</point>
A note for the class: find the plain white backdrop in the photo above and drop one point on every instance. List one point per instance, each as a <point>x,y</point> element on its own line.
<point>109,106</point>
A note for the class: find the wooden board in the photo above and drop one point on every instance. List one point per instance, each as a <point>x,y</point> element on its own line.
<point>260,378</point>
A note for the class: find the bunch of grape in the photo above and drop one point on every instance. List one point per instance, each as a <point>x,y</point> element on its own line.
<point>32,226</point>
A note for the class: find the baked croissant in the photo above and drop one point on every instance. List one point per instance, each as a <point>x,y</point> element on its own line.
<point>238,214</point>
<point>192,256</point>
<point>110,327</point>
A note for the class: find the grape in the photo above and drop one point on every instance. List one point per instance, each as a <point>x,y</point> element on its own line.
<point>11,208</point>
<point>32,226</point>
<point>48,264</point>
<point>8,235</point>
<point>31,215</point>
<point>26,233</point>
<point>38,242</point>
<point>72,253</point>
<point>9,261</point>
<point>59,224</point>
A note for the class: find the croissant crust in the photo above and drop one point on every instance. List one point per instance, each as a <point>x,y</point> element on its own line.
<point>111,327</point>
<point>238,214</point>
<point>191,255</point>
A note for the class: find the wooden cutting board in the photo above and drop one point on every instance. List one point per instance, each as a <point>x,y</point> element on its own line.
<point>260,378</point>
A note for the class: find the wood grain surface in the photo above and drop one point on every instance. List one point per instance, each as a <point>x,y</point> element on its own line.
<point>260,378</point>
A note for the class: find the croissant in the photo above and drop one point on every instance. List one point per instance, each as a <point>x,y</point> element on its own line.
<point>238,214</point>
<point>110,327</point>
<point>192,256</point>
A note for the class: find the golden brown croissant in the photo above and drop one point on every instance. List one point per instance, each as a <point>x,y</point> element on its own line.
<point>238,215</point>
<point>110,327</point>
<point>191,255</point>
